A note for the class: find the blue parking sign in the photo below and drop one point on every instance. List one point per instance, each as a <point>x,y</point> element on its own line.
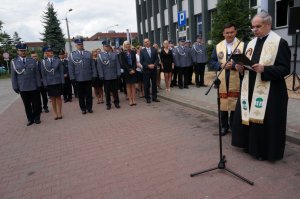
<point>181,18</point>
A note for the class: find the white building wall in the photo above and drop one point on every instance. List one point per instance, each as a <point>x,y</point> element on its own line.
<point>197,7</point>
<point>141,27</point>
<point>175,11</point>
<point>166,15</point>
<point>211,4</point>
<point>158,20</point>
<point>146,25</point>
<point>185,7</point>
<point>152,23</point>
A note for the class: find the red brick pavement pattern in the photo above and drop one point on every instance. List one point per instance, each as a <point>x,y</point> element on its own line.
<point>147,151</point>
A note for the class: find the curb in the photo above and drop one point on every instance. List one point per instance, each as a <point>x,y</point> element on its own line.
<point>291,136</point>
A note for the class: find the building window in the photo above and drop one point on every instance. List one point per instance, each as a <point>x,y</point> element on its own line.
<point>199,24</point>
<point>253,3</point>
<point>281,13</point>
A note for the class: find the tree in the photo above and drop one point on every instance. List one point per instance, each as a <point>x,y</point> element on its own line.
<point>52,34</point>
<point>237,12</point>
<point>233,11</point>
<point>16,39</point>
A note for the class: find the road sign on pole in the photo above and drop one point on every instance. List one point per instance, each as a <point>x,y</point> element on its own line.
<point>181,18</point>
<point>5,56</point>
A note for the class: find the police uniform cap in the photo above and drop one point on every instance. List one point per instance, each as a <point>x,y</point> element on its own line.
<point>47,48</point>
<point>79,40</point>
<point>181,40</point>
<point>21,46</point>
<point>105,43</point>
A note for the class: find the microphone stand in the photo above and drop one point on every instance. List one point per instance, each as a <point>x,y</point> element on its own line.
<point>222,161</point>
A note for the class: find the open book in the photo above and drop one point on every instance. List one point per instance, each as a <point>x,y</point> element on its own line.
<point>242,59</point>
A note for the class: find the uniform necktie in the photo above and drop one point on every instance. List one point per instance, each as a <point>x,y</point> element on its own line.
<point>24,61</point>
<point>81,52</point>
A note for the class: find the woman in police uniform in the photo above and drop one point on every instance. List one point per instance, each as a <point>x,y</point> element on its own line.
<point>53,79</point>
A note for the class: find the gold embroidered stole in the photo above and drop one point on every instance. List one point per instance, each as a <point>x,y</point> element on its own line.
<point>261,88</point>
<point>229,99</point>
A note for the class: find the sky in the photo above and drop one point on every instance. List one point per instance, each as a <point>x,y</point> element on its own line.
<point>87,17</point>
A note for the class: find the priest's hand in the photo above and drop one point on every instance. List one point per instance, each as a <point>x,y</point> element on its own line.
<point>259,68</point>
<point>239,67</point>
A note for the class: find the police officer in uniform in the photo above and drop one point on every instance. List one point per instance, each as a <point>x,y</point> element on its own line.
<point>183,58</point>
<point>26,81</point>
<point>67,90</point>
<point>188,44</point>
<point>53,79</point>
<point>109,71</point>
<point>199,57</point>
<point>81,71</point>
<point>174,71</point>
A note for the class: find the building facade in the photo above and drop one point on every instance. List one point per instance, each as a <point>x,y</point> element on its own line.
<point>158,19</point>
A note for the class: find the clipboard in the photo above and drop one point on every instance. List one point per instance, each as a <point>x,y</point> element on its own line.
<point>242,59</point>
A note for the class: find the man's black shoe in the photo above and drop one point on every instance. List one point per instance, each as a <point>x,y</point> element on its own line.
<point>156,100</point>
<point>83,112</point>
<point>46,110</point>
<point>29,123</point>
<point>65,101</point>
<point>37,121</point>
<point>108,107</point>
<point>148,101</point>
<point>180,87</point>
<point>117,106</point>
<point>186,87</point>
<point>90,111</point>
<point>224,131</point>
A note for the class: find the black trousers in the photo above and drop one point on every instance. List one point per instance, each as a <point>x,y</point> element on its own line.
<point>111,86</point>
<point>191,71</point>
<point>67,90</point>
<point>32,104</point>
<point>150,77</point>
<point>175,75</point>
<point>74,85</point>
<point>43,93</point>
<point>227,119</point>
<point>122,84</point>
<point>85,97</point>
<point>183,72</point>
<point>199,73</point>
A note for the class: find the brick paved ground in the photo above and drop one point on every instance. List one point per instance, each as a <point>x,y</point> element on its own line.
<point>196,98</point>
<point>147,151</point>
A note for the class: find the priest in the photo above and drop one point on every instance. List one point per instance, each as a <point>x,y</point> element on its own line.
<point>259,125</point>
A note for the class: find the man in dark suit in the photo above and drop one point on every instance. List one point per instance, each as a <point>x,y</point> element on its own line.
<point>43,91</point>
<point>149,61</point>
<point>67,86</point>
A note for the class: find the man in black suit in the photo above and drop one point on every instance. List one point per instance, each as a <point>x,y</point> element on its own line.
<point>149,61</point>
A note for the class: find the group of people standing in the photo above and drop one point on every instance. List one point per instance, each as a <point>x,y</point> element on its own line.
<point>253,102</point>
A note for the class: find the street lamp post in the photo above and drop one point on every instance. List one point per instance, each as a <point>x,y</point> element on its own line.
<point>107,29</point>
<point>69,39</point>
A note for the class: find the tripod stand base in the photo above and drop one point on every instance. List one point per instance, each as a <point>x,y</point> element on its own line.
<point>222,165</point>
<point>295,77</point>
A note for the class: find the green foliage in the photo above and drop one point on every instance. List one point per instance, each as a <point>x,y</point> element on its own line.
<point>231,11</point>
<point>7,44</point>
<point>237,12</point>
<point>52,34</point>
<point>16,39</point>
